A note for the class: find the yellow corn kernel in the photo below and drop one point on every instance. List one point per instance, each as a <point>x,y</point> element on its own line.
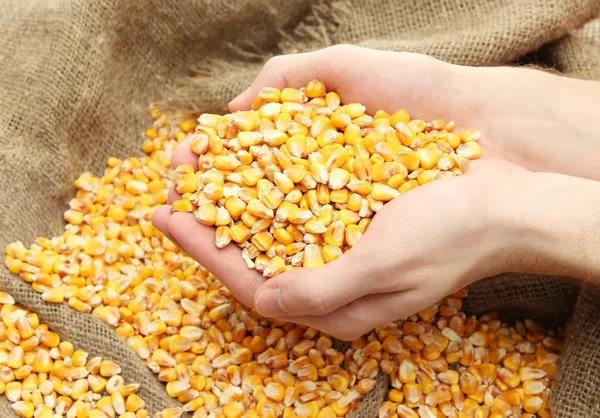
<point>206,214</point>
<point>427,176</point>
<point>109,368</point>
<point>427,158</point>
<point>251,176</point>
<point>187,183</point>
<point>285,184</point>
<point>363,169</point>
<point>411,184</point>
<point>355,202</point>
<point>274,267</point>
<point>171,413</point>
<point>396,181</point>
<point>80,306</point>
<point>335,234</point>
<point>348,217</point>
<point>245,120</point>
<point>314,227</point>
<point>299,216</point>
<point>331,252</point>
<point>182,205</point>
<point>396,395</point>
<point>470,150</point>
<point>338,178</point>
<point>199,144</point>
<point>314,88</point>
<point>235,206</point>
<point>384,192</point>
<point>313,256</point>
<point>353,234</point>
<point>410,160</point>
<point>270,94</point>
<point>340,119</point>
<point>339,196</point>
<point>23,409</point>
<point>295,172</point>
<point>289,94</point>
<point>470,135</point>
<point>454,140</point>
<point>400,116</point>
<point>134,403</point>
<point>380,173</point>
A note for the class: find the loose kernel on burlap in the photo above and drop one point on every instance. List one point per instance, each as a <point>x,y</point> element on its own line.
<point>76,76</point>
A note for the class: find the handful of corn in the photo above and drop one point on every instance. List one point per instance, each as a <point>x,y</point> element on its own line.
<point>296,180</point>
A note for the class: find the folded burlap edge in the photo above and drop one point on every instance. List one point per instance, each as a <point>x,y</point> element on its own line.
<point>89,334</point>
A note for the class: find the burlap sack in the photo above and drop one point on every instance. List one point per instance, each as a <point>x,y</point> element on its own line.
<point>76,76</point>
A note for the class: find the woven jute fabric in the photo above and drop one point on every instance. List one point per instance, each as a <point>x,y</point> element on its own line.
<point>76,77</point>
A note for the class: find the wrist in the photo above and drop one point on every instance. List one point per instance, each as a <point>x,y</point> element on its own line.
<point>495,199</point>
<point>541,121</point>
<point>553,226</point>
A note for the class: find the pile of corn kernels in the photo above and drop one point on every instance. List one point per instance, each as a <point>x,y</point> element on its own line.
<point>44,377</point>
<point>221,359</point>
<point>296,181</point>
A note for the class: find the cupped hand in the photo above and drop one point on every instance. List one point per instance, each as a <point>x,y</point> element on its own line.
<point>525,116</point>
<point>422,246</point>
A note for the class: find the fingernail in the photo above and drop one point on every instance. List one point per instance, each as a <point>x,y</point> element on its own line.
<point>267,303</point>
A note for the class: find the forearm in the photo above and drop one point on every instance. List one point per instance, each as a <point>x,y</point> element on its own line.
<point>550,123</point>
<point>556,226</point>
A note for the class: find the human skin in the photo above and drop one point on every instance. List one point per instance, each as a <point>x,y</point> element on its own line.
<point>530,205</point>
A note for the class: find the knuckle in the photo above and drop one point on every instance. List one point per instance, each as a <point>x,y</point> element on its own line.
<point>320,304</point>
<point>346,335</point>
<point>251,286</point>
<point>274,62</point>
<point>302,301</point>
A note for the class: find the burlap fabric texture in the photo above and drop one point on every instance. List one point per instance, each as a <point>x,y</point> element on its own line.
<point>76,76</point>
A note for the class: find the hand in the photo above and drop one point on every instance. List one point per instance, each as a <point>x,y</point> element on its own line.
<point>539,121</point>
<point>435,240</point>
<point>421,247</point>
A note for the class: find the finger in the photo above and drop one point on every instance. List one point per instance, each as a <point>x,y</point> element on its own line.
<point>172,196</point>
<point>317,291</point>
<point>295,70</point>
<point>182,154</point>
<point>361,316</point>
<point>226,263</point>
<point>330,65</point>
<point>160,218</point>
<point>494,166</point>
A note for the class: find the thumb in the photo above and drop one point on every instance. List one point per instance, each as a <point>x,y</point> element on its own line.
<point>313,291</point>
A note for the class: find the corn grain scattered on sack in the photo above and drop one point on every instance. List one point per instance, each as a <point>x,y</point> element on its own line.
<point>219,358</point>
<point>44,377</point>
<point>296,180</point>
